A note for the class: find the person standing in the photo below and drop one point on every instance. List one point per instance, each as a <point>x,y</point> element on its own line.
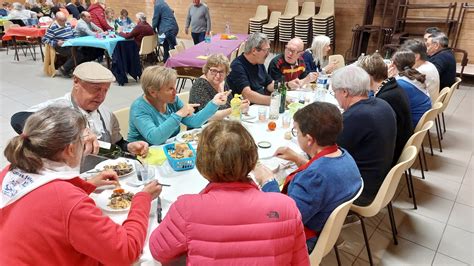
<point>200,21</point>
<point>165,23</point>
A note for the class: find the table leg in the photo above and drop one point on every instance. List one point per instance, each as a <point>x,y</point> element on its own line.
<point>73,53</point>
<point>107,57</point>
<point>41,48</point>
<point>16,49</point>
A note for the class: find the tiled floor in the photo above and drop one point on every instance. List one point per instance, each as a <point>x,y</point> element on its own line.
<point>439,232</point>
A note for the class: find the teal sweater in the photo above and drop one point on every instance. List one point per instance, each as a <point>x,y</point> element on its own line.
<point>148,124</point>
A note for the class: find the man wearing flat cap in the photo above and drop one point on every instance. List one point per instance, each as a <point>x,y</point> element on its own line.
<point>91,81</point>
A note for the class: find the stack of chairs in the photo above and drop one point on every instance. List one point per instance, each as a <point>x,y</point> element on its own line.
<point>286,22</point>
<point>271,28</point>
<point>303,25</point>
<point>324,21</point>
<point>261,17</point>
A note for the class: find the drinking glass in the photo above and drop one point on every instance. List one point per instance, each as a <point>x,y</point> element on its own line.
<point>262,114</point>
<point>286,120</point>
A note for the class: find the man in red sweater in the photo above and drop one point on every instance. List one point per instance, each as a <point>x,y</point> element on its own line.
<point>141,30</point>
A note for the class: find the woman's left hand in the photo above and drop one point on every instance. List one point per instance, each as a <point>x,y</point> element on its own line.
<point>221,98</point>
<point>104,178</point>
<point>138,148</point>
<point>262,173</point>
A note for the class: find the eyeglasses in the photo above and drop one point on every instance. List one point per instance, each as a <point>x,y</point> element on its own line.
<point>294,132</point>
<point>266,50</point>
<point>215,71</point>
<point>292,51</point>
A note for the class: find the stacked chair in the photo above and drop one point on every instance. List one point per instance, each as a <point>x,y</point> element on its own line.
<point>324,21</point>
<point>286,22</point>
<point>271,28</point>
<point>261,17</point>
<point>303,24</point>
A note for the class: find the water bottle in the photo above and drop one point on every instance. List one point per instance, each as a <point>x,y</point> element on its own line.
<point>227,28</point>
<point>322,82</point>
<point>275,99</point>
<point>282,96</point>
<point>235,108</point>
<point>207,38</point>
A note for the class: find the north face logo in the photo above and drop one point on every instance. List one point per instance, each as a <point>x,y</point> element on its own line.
<point>273,214</point>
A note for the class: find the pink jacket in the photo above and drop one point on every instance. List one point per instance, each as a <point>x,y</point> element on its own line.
<point>98,16</point>
<point>232,223</point>
<point>58,224</point>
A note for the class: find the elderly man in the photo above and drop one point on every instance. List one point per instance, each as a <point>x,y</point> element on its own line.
<point>141,30</point>
<point>291,65</point>
<point>424,66</point>
<point>165,23</point>
<point>369,128</point>
<point>85,26</point>
<point>91,83</point>
<point>200,21</point>
<point>443,58</point>
<point>56,35</point>
<point>428,32</point>
<point>248,75</point>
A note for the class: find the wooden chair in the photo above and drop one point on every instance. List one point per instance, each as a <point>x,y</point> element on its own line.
<point>331,230</point>
<point>416,140</point>
<point>147,47</point>
<point>385,195</point>
<point>123,117</point>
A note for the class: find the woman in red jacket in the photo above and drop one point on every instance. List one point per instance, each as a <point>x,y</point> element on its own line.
<point>97,11</point>
<point>231,221</point>
<point>47,217</point>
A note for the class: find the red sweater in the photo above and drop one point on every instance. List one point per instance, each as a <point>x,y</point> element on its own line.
<point>58,224</point>
<point>141,30</point>
<point>98,16</point>
<point>232,224</point>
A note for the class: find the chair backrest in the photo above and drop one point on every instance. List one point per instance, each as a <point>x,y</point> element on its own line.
<point>291,8</point>
<point>442,95</point>
<point>338,59</point>
<point>274,16</point>
<point>389,185</point>
<point>6,25</point>
<point>308,9</point>
<point>327,7</point>
<point>179,48</point>
<point>173,52</point>
<point>148,45</point>
<point>454,87</point>
<point>123,117</point>
<point>417,138</point>
<point>233,55</point>
<point>261,13</point>
<point>241,49</point>
<point>331,230</point>
<point>429,115</point>
<point>184,96</point>
<point>182,44</point>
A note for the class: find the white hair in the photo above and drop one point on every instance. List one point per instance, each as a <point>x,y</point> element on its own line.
<point>141,16</point>
<point>317,48</point>
<point>352,78</point>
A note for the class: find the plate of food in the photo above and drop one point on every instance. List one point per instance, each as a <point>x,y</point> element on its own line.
<point>189,136</point>
<point>122,166</point>
<point>117,200</point>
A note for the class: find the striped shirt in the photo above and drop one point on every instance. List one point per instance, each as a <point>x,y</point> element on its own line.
<point>57,33</point>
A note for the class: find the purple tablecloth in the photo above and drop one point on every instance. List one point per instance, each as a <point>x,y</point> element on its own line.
<point>188,58</point>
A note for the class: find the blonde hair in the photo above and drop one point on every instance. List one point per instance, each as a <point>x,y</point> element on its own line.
<point>226,152</point>
<point>374,66</point>
<point>46,133</point>
<point>217,60</point>
<point>155,77</point>
<point>317,48</point>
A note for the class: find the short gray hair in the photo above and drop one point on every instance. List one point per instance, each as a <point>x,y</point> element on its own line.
<point>17,6</point>
<point>156,77</point>
<point>352,78</point>
<point>141,16</point>
<point>255,40</point>
<point>440,38</point>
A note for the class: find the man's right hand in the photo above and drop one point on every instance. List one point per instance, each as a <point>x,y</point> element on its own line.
<point>91,145</point>
<point>60,43</point>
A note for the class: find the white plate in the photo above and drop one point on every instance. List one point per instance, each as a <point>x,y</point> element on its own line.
<point>103,200</point>
<point>273,164</point>
<point>179,137</point>
<point>101,165</point>
<point>249,118</point>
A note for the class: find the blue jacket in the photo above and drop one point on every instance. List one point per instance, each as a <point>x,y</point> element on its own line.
<point>126,60</point>
<point>419,99</point>
<point>163,18</point>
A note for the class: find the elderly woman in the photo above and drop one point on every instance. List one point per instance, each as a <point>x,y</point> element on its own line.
<point>387,89</point>
<point>46,204</point>
<point>110,17</point>
<point>123,20</point>
<point>265,228</point>
<point>141,30</point>
<point>369,128</point>
<point>412,82</point>
<point>316,57</point>
<point>158,113</point>
<point>212,82</point>
<point>325,181</point>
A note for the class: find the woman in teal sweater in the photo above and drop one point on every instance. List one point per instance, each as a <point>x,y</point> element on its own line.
<point>158,113</point>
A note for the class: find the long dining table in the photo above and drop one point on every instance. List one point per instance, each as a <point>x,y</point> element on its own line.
<point>192,182</point>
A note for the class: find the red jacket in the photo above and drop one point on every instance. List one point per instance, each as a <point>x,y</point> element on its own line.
<point>58,224</point>
<point>232,223</point>
<point>98,16</point>
<point>141,30</point>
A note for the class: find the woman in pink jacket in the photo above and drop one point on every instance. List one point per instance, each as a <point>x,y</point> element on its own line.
<point>231,221</point>
<point>46,215</point>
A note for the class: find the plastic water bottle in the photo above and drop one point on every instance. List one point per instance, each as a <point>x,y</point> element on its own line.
<point>207,38</point>
<point>275,99</point>
<point>235,108</point>
<point>227,28</point>
<point>322,82</point>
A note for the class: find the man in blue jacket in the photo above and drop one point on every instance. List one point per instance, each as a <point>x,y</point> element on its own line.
<point>443,58</point>
<point>164,22</point>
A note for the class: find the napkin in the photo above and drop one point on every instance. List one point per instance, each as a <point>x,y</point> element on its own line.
<point>156,156</point>
<point>203,57</point>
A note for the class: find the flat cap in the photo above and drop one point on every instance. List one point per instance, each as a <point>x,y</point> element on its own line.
<point>93,72</point>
